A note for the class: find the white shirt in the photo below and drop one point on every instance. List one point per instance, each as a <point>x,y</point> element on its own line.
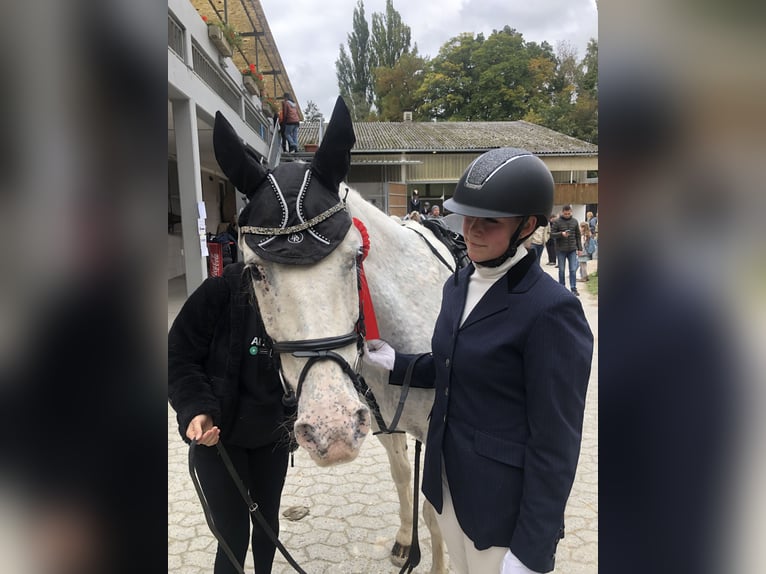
<point>484,277</point>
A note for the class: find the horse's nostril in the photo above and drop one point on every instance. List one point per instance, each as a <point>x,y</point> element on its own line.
<point>363,417</point>
<point>305,431</point>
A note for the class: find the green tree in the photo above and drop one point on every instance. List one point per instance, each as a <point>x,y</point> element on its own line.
<point>585,113</point>
<point>396,87</point>
<point>353,68</point>
<point>390,38</point>
<point>573,106</point>
<point>312,113</point>
<point>448,82</point>
<point>494,79</point>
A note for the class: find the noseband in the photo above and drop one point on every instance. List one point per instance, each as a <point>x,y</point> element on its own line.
<point>316,350</point>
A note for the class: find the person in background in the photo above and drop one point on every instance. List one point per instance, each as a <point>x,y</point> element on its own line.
<point>414,216</point>
<point>435,212</point>
<point>539,239</point>
<point>426,208</point>
<point>291,120</point>
<point>550,245</point>
<point>566,231</point>
<point>224,385</point>
<point>586,254</point>
<point>510,361</point>
<point>414,202</point>
<point>593,225</point>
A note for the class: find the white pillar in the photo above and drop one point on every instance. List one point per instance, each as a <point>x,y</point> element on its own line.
<point>190,190</point>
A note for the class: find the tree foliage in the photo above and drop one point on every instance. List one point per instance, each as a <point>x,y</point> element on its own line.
<point>312,113</point>
<point>369,72</point>
<point>390,38</point>
<point>396,87</point>
<point>505,78</point>
<point>498,78</point>
<point>353,68</point>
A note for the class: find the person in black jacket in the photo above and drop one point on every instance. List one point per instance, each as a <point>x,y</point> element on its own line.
<point>414,204</point>
<point>566,231</point>
<point>510,362</point>
<point>224,386</point>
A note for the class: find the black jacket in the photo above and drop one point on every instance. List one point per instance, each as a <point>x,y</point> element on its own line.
<point>207,345</point>
<point>566,244</point>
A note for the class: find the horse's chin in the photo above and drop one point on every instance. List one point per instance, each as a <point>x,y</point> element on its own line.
<point>336,453</point>
<point>334,457</point>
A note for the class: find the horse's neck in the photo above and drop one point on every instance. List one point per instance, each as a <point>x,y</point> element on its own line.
<point>404,276</point>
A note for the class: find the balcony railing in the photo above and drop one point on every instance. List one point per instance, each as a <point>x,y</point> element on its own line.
<point>210,72</point>
<point>176,37</point>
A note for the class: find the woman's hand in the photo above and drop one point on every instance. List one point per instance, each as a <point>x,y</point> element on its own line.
<point>201,428</point>
<point>379,353</point>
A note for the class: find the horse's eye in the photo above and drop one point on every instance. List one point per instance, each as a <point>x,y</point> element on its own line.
<point>255,272</point>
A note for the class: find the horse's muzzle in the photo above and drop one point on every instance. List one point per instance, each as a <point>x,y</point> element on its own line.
<point>334,437</point>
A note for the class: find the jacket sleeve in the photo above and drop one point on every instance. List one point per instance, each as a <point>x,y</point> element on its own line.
<point>578,237</point>
<point>189,340</point>
<point>557,361</point>
<point>423,374</point>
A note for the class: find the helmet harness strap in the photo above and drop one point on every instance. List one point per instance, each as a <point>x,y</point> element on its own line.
<point>512,246</point>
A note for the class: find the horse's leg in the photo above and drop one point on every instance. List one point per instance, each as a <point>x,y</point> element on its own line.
<point>401,472</point>
<point>438,563</point>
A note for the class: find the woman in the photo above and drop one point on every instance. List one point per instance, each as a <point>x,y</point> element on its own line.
<point>510,360</point>
<point>224,386</point>
<point>291,120</point>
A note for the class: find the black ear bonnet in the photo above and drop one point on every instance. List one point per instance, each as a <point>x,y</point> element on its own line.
<point>294,214</point>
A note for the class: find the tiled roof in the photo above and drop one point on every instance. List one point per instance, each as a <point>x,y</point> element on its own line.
<point>457,136</point>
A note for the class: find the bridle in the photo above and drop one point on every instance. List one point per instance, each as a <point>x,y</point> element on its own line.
<point>316,350</point>
<point>324,349</point>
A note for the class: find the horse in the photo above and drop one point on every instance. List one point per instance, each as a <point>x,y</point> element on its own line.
<point>307,263</point>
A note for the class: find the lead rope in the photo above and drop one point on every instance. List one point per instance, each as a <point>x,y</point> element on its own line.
<point>413,558</point>
<point>251,506</point>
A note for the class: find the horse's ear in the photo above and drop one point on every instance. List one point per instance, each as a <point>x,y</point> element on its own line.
<point>239,164</point>
<point>333,158</point>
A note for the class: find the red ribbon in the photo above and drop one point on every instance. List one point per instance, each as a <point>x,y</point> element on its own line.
<point>370,322</point>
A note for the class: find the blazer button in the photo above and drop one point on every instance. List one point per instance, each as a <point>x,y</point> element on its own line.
<point>446,392</point>
<point>446,363</point>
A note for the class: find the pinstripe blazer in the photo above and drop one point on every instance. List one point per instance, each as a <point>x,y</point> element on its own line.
<point>507,416</point>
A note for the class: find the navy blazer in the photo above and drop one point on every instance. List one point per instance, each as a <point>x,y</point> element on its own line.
<point>508,409</point>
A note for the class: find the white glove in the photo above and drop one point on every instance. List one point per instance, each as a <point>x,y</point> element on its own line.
<point>379,353</point>
<point>512,565</point>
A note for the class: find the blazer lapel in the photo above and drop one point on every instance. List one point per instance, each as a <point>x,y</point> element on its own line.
<point>518,279</point>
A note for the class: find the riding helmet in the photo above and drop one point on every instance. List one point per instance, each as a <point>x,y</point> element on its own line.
<point>504,182</point>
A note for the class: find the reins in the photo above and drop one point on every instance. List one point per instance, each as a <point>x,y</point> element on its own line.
<point>251,506</point>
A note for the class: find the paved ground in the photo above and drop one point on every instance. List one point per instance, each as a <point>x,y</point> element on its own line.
<point>353,508</point>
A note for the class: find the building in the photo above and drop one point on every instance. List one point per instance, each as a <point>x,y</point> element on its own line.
<point>204,77</point>
<point>389,160</point>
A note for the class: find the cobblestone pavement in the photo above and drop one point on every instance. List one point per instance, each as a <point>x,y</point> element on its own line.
<point>353,508</point>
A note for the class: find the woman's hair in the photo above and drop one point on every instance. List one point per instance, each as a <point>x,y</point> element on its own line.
<point>584,228</point>
<point>415,216</point>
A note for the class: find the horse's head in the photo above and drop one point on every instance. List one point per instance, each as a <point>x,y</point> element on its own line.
<point>302,251</point>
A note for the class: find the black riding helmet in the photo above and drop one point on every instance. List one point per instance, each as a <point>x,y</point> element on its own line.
<point>505,182</point>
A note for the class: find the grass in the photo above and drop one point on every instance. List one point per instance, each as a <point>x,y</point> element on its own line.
<point>592,284</point>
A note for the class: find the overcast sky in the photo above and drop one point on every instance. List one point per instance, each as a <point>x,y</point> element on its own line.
<point>309,33</point>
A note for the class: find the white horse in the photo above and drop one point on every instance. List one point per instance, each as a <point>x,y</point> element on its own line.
<point>303,253</point>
